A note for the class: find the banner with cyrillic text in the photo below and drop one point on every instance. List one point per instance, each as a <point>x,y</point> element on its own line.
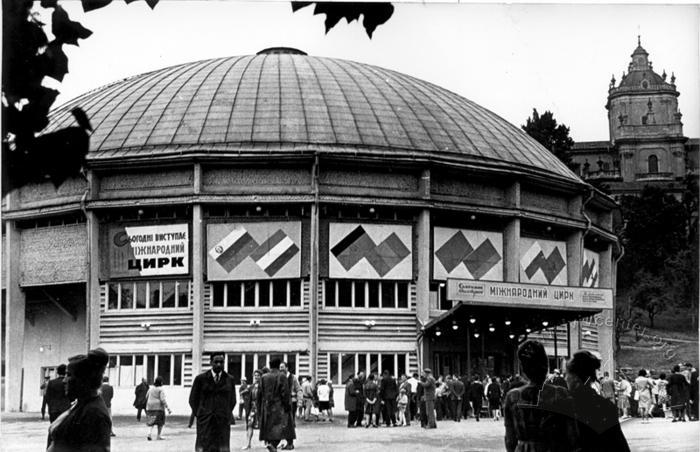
<point>157,250</point>
<point>528,295</point>
<point>253,251</point>
<point>370,251</point>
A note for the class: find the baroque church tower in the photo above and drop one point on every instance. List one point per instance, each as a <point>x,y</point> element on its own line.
<point>646,145</point>
<point>645,123</point>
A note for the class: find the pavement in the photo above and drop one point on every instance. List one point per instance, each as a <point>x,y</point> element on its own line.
<point>27,432</point>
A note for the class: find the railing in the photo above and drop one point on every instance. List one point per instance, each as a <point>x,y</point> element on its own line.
<point>654,176</point>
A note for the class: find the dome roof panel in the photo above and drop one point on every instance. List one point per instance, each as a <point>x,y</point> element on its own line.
<point>293,101</point>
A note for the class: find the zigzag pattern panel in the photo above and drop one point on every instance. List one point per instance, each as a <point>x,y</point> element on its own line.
<point>543,261</point>
<point>247,251</point>
<point>591,268</point>
<point>370,251</point>
<point>468,254</point>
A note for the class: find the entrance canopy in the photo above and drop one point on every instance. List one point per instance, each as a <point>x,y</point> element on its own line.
<point>512,310</point>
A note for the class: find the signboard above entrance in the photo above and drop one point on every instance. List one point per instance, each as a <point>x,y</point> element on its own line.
<point>520,295</point>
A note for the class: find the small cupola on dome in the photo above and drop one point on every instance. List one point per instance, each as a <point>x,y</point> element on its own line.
<point>281,51</point>
<point>640,58</point>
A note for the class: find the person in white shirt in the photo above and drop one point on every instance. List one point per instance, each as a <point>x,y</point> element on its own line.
<point>624,389</point>
<point>323,392</point>
<point>413,397</point>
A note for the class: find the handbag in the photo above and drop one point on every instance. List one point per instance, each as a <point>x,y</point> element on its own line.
<point>636,395</point>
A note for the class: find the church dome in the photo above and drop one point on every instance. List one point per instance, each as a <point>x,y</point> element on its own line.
<point>283,102</point>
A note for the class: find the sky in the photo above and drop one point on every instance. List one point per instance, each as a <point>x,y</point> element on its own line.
<point>509,58</point>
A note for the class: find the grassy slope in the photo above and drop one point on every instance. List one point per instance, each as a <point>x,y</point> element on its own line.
<point>653,352</point>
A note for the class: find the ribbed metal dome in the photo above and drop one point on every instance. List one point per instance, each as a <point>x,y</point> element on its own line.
<point>288,102</point>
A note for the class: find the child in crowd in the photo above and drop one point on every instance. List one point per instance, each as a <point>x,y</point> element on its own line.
<point>402,403</point>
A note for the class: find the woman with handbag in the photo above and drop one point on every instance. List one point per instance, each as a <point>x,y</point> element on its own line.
<point>644,398</point>
<point>251,408</point>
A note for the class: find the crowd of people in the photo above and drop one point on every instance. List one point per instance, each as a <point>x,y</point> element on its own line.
<point>541,410</point>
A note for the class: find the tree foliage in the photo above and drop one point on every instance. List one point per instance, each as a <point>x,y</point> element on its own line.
<point>546,131</point>
<point>659,235</point>
<point>29,57</point>
<point>374,14</point>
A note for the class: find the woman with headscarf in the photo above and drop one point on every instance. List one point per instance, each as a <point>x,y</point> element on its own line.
<point>155,408</point>
<point>596,417</point>
<point>86,426</point>
<point>679,391</point>
<point>537,415</point>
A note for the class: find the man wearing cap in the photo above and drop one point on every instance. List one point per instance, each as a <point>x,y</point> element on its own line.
<point>428,384</point>
<point>212,399</point>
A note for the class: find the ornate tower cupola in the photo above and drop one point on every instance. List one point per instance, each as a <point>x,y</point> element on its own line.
<point>644,121</point>
<point>640,58</point>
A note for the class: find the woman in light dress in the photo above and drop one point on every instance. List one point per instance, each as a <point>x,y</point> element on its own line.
<point>644,385</point>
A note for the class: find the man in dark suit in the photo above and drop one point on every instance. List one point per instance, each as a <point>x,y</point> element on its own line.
<point>140,398</point>
<point>476,396</point>
<point>388,391</point>
<point>212,399</point>
<point>467,382</point>
<point>456,395</point>
<point>274,400</point>
<point>107,394</point>
<point>55,396</point>
<point>359,384</point>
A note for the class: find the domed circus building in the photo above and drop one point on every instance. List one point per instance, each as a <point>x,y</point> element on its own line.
<point>337,215</point>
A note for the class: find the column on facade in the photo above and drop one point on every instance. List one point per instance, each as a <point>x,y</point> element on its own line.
<point>511,245</point>
<point>574,262</point>
<point>423,279</point>
<point>92,317</point>
<point>314,281</point>
<point>15,305</point>
<point>606,322</point>
<point>198,263</point>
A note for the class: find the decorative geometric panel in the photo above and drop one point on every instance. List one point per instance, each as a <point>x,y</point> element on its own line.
<point>467,254</point>
<point>370,251</point>
<point>590,269</point>
<point>543,261</point>
<point>245,251</point>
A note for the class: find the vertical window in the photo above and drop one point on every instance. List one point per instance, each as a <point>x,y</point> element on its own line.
<point>330,293</point>
<point>127,291</point>
<point>164,368</point>
<point>373,296</point>
<point>279,292</point>
<point>292,362</point>
<point>295,292</point>
<point>140,295</point>
<point>168,294</point>
<point>401,365</point>
<point>177,370</point>
<point>653,163</point>
<point>249,294</point>
<point>154,295</point>
<point>388,363</point>
<point>234,367</point>
<point>344,293</point>
<point>139,370</point>
<point>183,294</point>
<point>150,368</point>
<point>112,296</point>
<point>348,366</point>
<point>264,294</point>
<point>233,294</point>
<point>278,356</point>
<point>333,374</point>
<point>249,366</point>
<point>126,371</point>
<point>362,363</point>
<point>359,294</point>
<point>388,300</point>
<point>218,295</point>
<point>374,364</point>
<point>402,295</point>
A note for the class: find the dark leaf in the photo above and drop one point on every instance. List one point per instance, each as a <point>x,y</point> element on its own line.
<point>152,3</point>
<point>56,61</point>
<point>65,30</point>
<point>81,118</point>
<point>374,14</point>
<point>90,5</point>
<point>298,5</point>
<point>49,3</point>
<point>61,154</point>
<point>37,110</point>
